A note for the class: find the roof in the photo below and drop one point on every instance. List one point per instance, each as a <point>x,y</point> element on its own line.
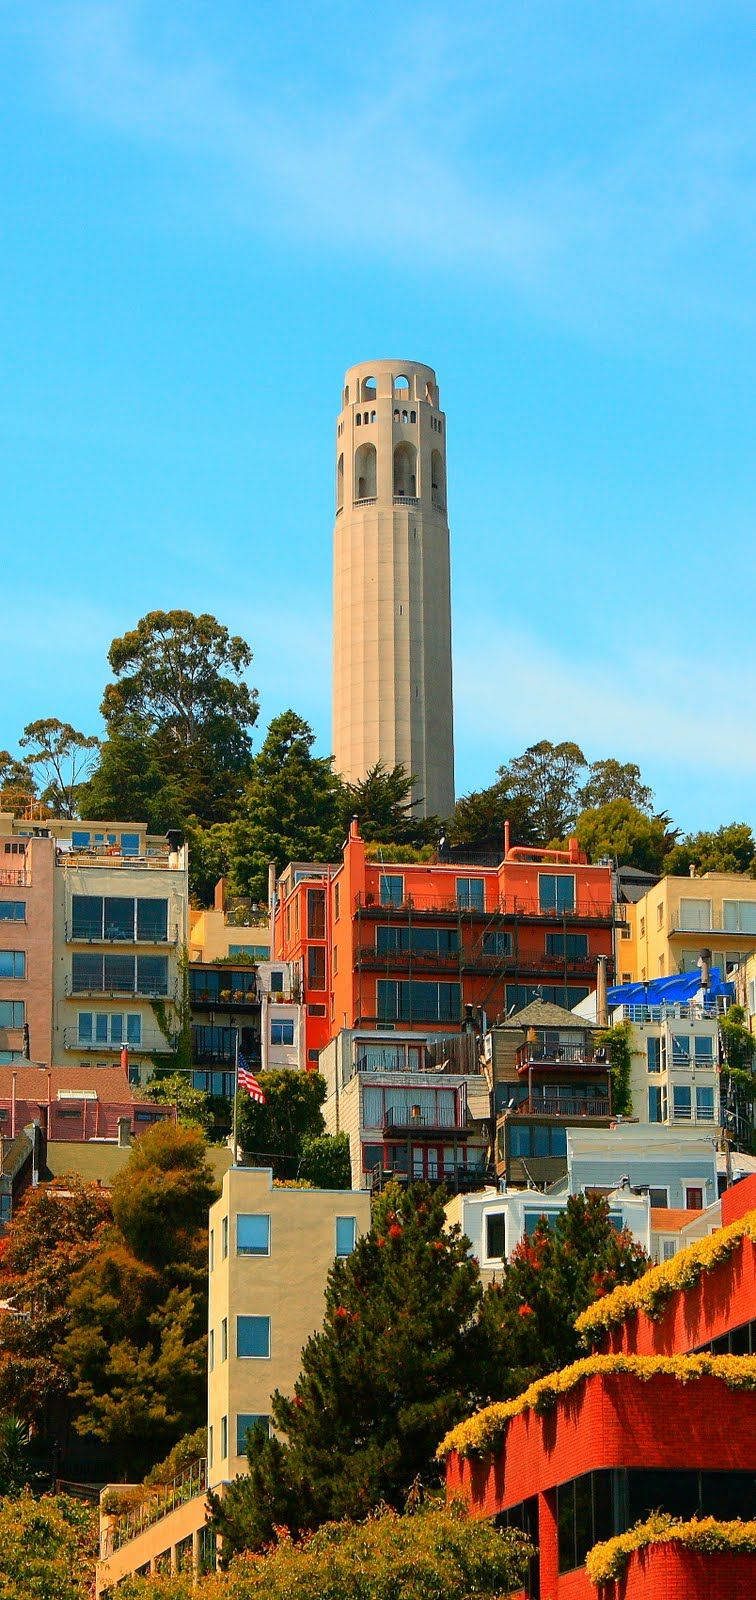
<point>680,988</point>
<point>670,1219</point>
<point>110,1084</point>
<point>542,1014</point>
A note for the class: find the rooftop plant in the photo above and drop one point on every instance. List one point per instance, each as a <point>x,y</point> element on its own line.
<point>610,1559</point>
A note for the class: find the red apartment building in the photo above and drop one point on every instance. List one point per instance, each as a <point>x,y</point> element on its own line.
<point>394,945</point>
<point>618,1446</point>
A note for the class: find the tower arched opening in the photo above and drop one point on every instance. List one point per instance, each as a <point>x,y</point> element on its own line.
<point>340,482</point>
<point>365,473</point>
<point>438,486</point>
<point>405,470</point>
<point>368,389</point>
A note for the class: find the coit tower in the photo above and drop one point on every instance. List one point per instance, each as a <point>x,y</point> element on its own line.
<point>392,671</point>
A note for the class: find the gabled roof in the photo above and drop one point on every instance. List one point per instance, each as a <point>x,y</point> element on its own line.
<point>542,1014</point>
<point>110,1084</point>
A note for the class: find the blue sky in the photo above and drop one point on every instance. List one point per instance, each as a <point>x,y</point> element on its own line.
<point>209,211</point>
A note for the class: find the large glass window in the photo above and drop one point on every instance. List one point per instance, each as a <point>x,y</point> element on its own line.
<point>245,1422</point>
<point>346,1235</point>
<point>119,917</point>
<point>12,963</point>
<point>12,910</point>
<point>253,1235</point>
<point>567,995</point>
<point>573,946</point>
<point>556,891</point>
<point>11,1013</point>
<point>531,1139</point>
<point>496,1235</point>
<point>704,1103</point>
<point>471,894</point>
<point>739,916</point>
<point>657,1103</point>
<point>681,1102</point>
<point>316,913</point>
<point>316,967</point>
<point>497,944</point>
<point>253,1337</point>
<point>703,1049</point>
<point>118,973</point>
<point>86,916</point>
<point>418,1001</point>
<point>421,941</point>
<point>695,915</point>
<point>110,1027</point>
<point>584,1516</point>
<point>152,975</point>
<point>653,1054</point>
<point>282,1032</point>
<point>130,844</point>
<point>680,1049</point>
<point>152,921</point>
<point>391,888</point>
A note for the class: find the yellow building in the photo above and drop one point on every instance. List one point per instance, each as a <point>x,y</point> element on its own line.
<point>270,1251</point>
<point>230,928</point>
<point>670,926</point>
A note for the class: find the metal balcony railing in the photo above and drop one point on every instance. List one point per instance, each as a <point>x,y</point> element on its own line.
<point>414,1120</point>
<point>152,1043</point>
<point>561,1106</point>
<point>14,878</point>
<point>137,991</point>
<point>96,933</point>
<point>545,1054</point>
<point>158,1503</point>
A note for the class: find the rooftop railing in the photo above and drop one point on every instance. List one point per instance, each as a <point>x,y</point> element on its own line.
<point>691,1011</point>
<point>435,901</point>
<point>543,1053</point>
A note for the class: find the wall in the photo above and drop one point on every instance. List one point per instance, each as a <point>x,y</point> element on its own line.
<point>724,1298</point>
<point>655,949</point>
<point>28,876</point>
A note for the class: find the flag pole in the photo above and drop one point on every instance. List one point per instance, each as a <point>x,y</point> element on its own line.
<point>236,1091</point>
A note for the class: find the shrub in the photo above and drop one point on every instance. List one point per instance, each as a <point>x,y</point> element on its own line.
<point>47,1548</point>
<point>482,1433</point>
<point>610,1560</point>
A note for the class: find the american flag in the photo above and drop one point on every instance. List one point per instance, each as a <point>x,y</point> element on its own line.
<point>247,1080</point>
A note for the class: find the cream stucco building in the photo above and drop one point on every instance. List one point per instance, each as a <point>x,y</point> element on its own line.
<point>392,676</point>
<point>666,931</point>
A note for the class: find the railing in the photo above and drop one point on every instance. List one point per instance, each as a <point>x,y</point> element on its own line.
<point>558,1106</point>
<point>458,1180</point>
<point>367,500</point>
<point>14,878</point>
<point>185,1487</point>
<point>406,500</point>
<point>436,901</point>
<point>154,861</point>
<point>395,1121</point>
<point>150,1043</point>
<point>225,1000</point>
<point>669,1013</point>
<point>80,991</point>
<point>714,927</point>
<point>578,1055</point>
<point>91,934</point>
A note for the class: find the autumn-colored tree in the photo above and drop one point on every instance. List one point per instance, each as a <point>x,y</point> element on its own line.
<point>56,1231</point>
<point>48,1548</point>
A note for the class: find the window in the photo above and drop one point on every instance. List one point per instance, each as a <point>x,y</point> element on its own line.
<point>316,966</point>
<point>660,915</point>
<point>11,1013</point>
<point>584,1516</point>
<point>497,944</point>
<point>642,928</point>
<point>372,1156</point>
<point>704,1103</point>
<point>496,1236</point>
<point>253,1235</point>
<point>253,1338</point>
<point>471,894</point>
<point>282,1032</point>
<point>12,910</point>
<point>316,1011</point>
<point>118,917</point>
<point>224,1339</point>
<point>680,1050</point>
<point>668,1249</point>
<point>224,1238</point>
<point>117,972</point>
<point>418,1001</point>
<point>681,1102</point>
<point>391,888</point>
<point>224,1438</point>
<point>739,916</point>
<point>210,1446</point>
<point>572,945</point>
<point>336,901</point>
<point>110,1027</point>
<point>313,1055</point>
<point>12,963</point>
<point>659,1198</point>
<point>152,921</point>
<point>346,1235</point>
<point>421,941</point>
<point>531,1219</point>
<point>695,915</point>
<point>536,1139</point>
<point>316,913</point>
<point>276,981</point>
<point>654,1055</point>
<point>568,995</point>
<point>703,1049</point>
<point>86,916</point>
<point>657,1104</point>
<point>130,844</point>
<point>245,1422</point>
<point>211,1349</point>
<point>694,1197</point>
<point>212,1248</point>
<point>556,891</point>
<point>152,975</point>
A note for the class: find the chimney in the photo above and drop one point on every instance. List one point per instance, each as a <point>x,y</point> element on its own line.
<point>507,833</point>
<point>271,884</point>
<point>354,828</point>
<point>692,870</point>
<point>219,895</point>
<point>704,962</point>
<point>602,1009</point>
<point>124,1133</point>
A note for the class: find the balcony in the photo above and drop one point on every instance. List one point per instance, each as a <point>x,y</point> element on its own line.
<point>82,991</point>
<point>152,1043</point>
<point>440,902</point>
<point>543,1054</point>
<point>225,999</point>
<point>406,500</point>
<point>115,860</point>
<point>416,1123</point>
<point>563,1107</point>
<point>95,934</point>
<point>457,1180</point>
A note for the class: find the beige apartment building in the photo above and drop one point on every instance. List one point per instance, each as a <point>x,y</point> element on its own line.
<point>270,1251</point>
<point>94,921</point>
<point>392,665</point>
<point>679,917</point>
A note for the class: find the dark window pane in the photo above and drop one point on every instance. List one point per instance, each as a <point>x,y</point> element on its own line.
<point>603,1510</point>
<point>152,974</point>
<point>726,1495</point>
<point>583,1518</point>
<point>119,973</point>
<point>86,972</point>
<point>119,917</point>
<point>496,1237</point>
<point>152,920</point>
<point>566,1525</point>
<point>86,916</point>
<point>540,1140</point>
<point>519,1139</point>
<point>559,1141</point>
<point>316,966</point>
<point>675,1492</point>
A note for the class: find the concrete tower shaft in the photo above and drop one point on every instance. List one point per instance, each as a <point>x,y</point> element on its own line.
<point>392,671</point>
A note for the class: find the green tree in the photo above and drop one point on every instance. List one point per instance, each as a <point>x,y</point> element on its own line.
<point>394,1365</point>
<point>17,784</point>
<point>192,1105</point>
<point>290,809</point>
<point>528,1317</point>
<point>730,848</point>
<point>616,1042</point>
<point>179,701</point>
<point>610,780</point>
<point>134,778</point>
<point>545,779</point>
<point>65,759</point>
<point>325,1161</point>
<point>47,1548</point>
<point>55,1232</point>
<point>383,803</point>
<point>478,818</point>
<point>291,1114</point>
<point>17,1470</point>
<point>432,1553</point>
<point>136,1346</point>
<point>620,829</point>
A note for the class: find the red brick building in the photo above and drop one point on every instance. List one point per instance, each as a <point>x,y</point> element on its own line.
<point>73,1103</point>
<point>411,945</point>
<point>620,1445</point>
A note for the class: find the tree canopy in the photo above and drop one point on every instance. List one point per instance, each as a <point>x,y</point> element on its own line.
<point>731,848</point>
<point>623,831</point>
<point>610,780</point>
<point>47,1548</point>
<point>290,809</point>
<point>291,1115</point>
<point>65,758</point>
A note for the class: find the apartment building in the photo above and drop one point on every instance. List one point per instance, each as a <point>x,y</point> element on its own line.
<point>548,1073</point>
<point>669,926</point>
<point>412,1105</point>
<point>496,1222</point>
<point>395,945</point>
<point>270,1251</point>
<point>27,871</point>
<point>234,926</point>
<point>674,1077</point>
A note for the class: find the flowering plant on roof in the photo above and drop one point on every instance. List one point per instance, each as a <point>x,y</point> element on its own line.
<point>609,1560</point>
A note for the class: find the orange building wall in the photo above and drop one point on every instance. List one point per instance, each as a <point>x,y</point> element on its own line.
<point>29,877</point>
